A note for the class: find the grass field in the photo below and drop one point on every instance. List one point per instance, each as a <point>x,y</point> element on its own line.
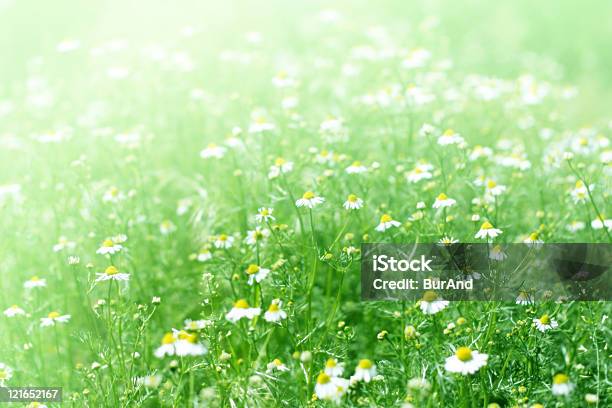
<point>174,184</point>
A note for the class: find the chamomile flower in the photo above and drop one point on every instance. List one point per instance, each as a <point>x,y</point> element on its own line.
<point>150,381</point>
<point>487,231</point>
<point>224,241</point>
<point>213,151</point>
<point>333,368</point>
<point>497,253</point>
<point>280,166</point>
<point>600,222</point>
<point>256,235</point>
<point>63,243</point>
<point>109,247</point>
<point>387,222</point>
<point>13,311</point>
<point>575,226</point>
<point>580,193</point>
<point>330,388</point>
<point>195,325</point>
<point>35,282</point>
<point>112,273</point>
<point>561,385</point>
<point>353,202</point>
<point>53,318</point>
<point>204,255</point>
<point>356,168</point>
<point>260,124</point>
<point>524,298</point>
<point>450,137</point>
<point>365,371</point>
<point>533,240</point>
<point>431,303</point>
<point>442,201</point>
<point>275,313</point>
<point>180,343</point>
<point>420,172</point>
<point>6,373</point>
<point>276,365</point>
<point>480,151</point>
<point>465,361</point>
<point>264,214</point>
<point>256,273</point>
<point>493,189</point>
<point>242,310</point>
<point>310,200</point>
<point>545,322</point>
<point>113,195</point>
<point>283,80</point>
<point>167,227</point>
<point>446,240</point>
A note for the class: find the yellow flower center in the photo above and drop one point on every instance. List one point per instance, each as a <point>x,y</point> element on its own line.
<point>386,218</point>
<point>560,379</point>
<point>279,161</point>
<point>273,307</point>
<point>464,353</point>
<point>323,378</point>
<point>264,212</point>
<point>491,184</point>
<point>365,364</point>
<point>53,315</point>
<point>330,363</point>
<point>222,237</point>
<point>442,197</point>
<point>111,270</point>
<point>486,225</point>
<point>34,279</point>
<point>418,170</point>
<point>579,184</point>
<point>448,132</point>
<point>168,338</point>
<point>545,319</point>
<point>3,375</point>
<point>430,296</point>
<point>277,362</point>
<point>583,141</point>
<point>356,163</point>
<point>183,335</point>
<point>352,198</point>
<point>241,304</point>
<point>108,243</point>
<point>309,195</point>
<point>252,269</point>
<point>533,236</point>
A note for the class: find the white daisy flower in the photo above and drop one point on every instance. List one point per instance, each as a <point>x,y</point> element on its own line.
<point>13,311</point>
<point>180,343</point>
<point>487,231</point>
<point>465,361</point>
<point>353,202</point>
<point>276,365</point>
<point>213,151</point>
<point>6,373</point>
<point>524,298</point>
<point>333,368</point>
<point>224,241</point>
<point>330,388</point>
<point>241,310</point>
<point>387,222</point>
<point>365,371</point>
<point>533,240</point>
<point>416,58</point>
<point>256,235</point>
<point>480,151</point>
<point>264,214</point>
<point>275,313</point>
<point>53,318</point>
<point>112,273</point>
<point>580,193</point>
<point>283,80</point>
<point>497,253</point>
<point>431,303</point>
<point>166,227</point>
<point>63,243</point>
<point>260,124</point>
<point>545,322</point>
<point>600,222</point>
<point>281,166</point>
<point>575,226</point>
<point>420,172</point>
<point>35,282</point>
<point>150,381</point>
<point>310,200</point>
<point>113,195</point>
<point>446,240</point>
<point>356,168</point>
<point>561,385</point>
<point>194,325</point>
<point>494,189</point>
<point>256,273</point>
<point>204,255</point>
<point>109,247</point>
<point>450,137</point>
<point>442,201</point>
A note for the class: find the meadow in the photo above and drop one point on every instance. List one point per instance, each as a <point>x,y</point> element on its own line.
<point>185,188</point>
